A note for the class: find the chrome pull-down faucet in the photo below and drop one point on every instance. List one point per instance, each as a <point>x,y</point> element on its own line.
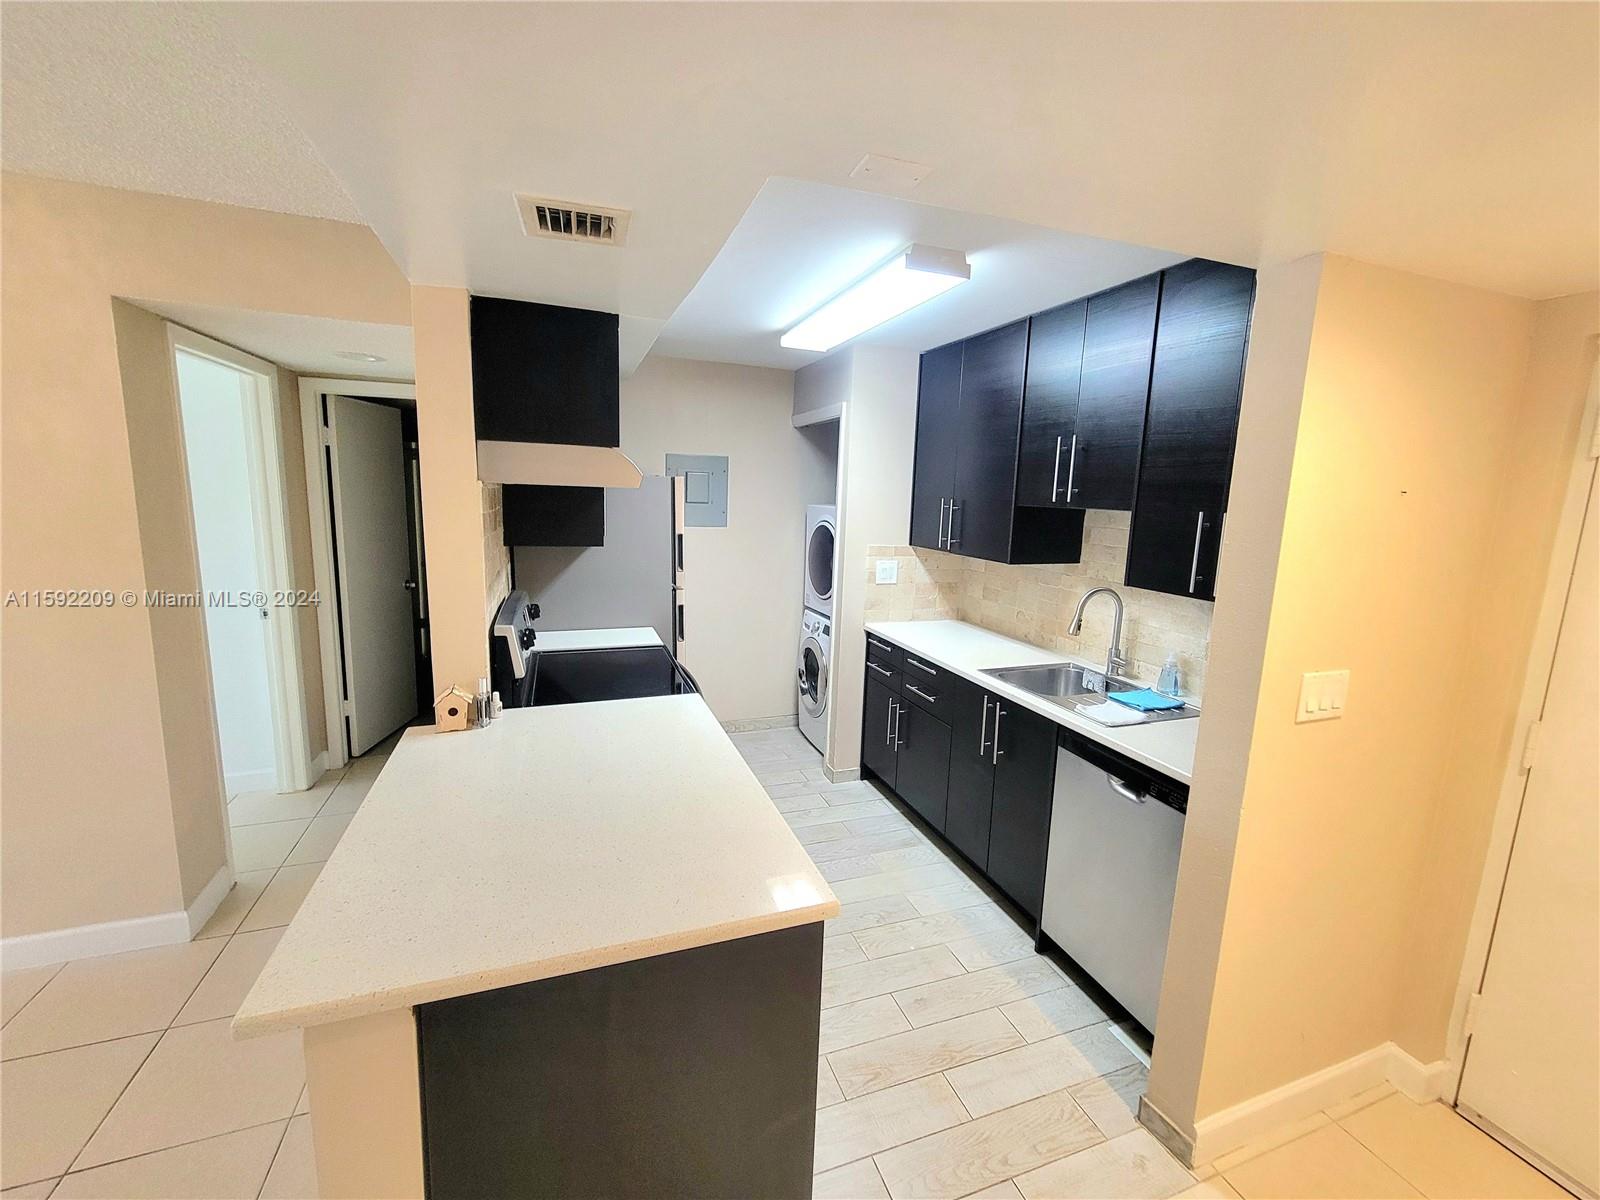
<point>1116,663</point>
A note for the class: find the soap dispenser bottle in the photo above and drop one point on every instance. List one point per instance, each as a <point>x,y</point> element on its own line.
<point>1170,681</point>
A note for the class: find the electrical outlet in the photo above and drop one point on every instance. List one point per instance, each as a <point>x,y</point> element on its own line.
<point>1322,695</point>
<point>888,571</point>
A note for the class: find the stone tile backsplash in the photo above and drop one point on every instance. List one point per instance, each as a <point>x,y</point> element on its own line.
<point>496,558</point>
<point>1034,604</point>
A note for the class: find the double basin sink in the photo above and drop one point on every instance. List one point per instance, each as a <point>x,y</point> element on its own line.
<point>1078,688</point>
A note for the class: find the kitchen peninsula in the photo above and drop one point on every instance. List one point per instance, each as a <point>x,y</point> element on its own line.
<point>577,952</point>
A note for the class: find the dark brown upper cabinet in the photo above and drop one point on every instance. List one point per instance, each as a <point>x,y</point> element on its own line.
<point>1050,405</point>
<point>969,428</point>
<point>1190,426</point>
<point>543,373</point>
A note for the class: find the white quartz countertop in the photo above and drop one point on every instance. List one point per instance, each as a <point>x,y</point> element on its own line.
<point>595,639</point>
<point>1168,746</point>
<point>556,840</point>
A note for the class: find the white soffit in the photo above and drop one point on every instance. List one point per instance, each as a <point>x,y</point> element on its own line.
<point>801,243</point>
<point>305,345</point>
<point>153,98</point>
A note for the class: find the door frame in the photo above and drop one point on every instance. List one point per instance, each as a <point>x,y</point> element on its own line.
<point>317,439</point>
<point>291,741</point>
<point>1514,781</point>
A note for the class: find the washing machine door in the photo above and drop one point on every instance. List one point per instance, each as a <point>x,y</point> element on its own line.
<point>819,563</point>
<point>813,676</point>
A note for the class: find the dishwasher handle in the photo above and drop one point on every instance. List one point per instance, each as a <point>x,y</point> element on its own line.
<point>1123,790</point>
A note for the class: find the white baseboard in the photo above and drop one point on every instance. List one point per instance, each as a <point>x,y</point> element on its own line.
<point>114,937</point>
<point>846,775</point>
<point>319,766</point>
<point>250,781</point>
<point>754,724</point>
<point>1257,1118</point>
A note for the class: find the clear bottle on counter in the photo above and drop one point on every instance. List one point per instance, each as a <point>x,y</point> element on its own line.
<point>1170,681</point>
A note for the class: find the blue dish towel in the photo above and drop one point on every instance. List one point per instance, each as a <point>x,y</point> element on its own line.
<point>1145,700</point>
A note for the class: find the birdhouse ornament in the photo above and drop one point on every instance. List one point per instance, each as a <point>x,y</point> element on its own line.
<point>452,710</point>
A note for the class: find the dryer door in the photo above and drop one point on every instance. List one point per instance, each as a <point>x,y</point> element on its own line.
<point>813,676</point>
<point>819,566</point>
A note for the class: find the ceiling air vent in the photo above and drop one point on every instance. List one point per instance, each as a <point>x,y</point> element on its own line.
<point>573,222</point>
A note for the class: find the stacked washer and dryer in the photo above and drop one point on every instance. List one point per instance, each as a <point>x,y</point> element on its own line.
<point>816,625</point>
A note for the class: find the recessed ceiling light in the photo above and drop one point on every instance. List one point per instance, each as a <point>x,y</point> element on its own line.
<point>359,356</point>
<point>916,274</point>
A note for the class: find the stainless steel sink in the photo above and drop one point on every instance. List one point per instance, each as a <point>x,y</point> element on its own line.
<point>1077,688</point>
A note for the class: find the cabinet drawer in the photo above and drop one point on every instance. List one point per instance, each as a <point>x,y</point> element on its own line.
<point>880,651</point>
<point>880,672</point>
<point>928,687</point>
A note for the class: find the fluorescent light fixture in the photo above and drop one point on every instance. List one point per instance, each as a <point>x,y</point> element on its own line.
<point>916,274</point>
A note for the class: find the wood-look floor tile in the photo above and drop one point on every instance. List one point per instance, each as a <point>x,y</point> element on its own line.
<point>937,929</point>
<point>879,824</point>
<point>801,802</point>
<point>892,883</point>
<point>865,843</point>
<point>1215,1188</point>
<point>827,1088</point>
<point>1004,1190</point>
<point>856,915</point>
<point>879,1120</point>
<point>1133,1166</point>
<point>854,1181</point>
<point>983,1152</point>
<point>1112,1100</point>
<point>841,951</point>
<point>992,949</point>
<point>887,1061</point>
<point>1038,1068</point>
<point>861,1021</point>
<point>879,976</point>
<point>1050,1013</point>
<point>962,894</point>
<point>827,831</point>
<point>865,808</point>
<point>927,1003</point>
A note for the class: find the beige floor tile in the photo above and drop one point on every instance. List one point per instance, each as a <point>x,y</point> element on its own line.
<point>1050,1013</point>
<point>935,930</point>
<point>1360,1100</point>
<point>259,808</point>
<point>828,831</point>
<point>992,949</point>
<point>112,996</point>
<point>1208,1189</point>
<point>827,1087</point>
<point>1326,1164</point>
<point>1132,1167</point>
<point>197,1083</point>
<point>305,1102</point>
<point>229,1167</point>
<point>988,1150</point>
<point>859,844</point>
<point>1004,1190</point>
<point>261,847</point>
<point>882,975</point>
<point>841,951</point>
<point>18,987</point>
<point>861,1021</point>
<point>1112,1100</point>
<point>947,897</point>
<point>230,977</point>
<point>875,1065</point>
<point>347,797</point>
<point>294,1170</point>
<point>1038,1068</point>
<point>892,883</point>
<point>241,898</point>
<point>1281,1136</point>
<point>864,914</point>
<point>879,1120</point>
<point>926,1004</point>
<point>319,839</point>
<point>1442,1154</point>
<point>281,900</point>
<point>855,1181</point>
<point>52,1103</point>
<point>32,1191</point>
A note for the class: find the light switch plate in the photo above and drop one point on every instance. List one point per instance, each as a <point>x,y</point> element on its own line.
<point>1322,695</point>
<point>888,570</point>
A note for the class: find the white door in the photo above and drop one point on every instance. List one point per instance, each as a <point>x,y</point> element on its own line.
<point>373,545</point>
<point>1533,1065</point>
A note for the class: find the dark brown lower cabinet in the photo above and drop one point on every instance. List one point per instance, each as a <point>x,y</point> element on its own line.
<point>1024,780</point>
<point>971,773</point>
<point>922,775</point>
<point>877,731</point>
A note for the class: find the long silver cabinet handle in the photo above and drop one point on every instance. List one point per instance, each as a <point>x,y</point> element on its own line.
<point>922,666</point>
<point>1194,563</point>
<point>884,646</point>
<point>1123,790</point>
<point>1072,466</point>
<point>950,538</point>
<point>877,668</point>
<point>998,713</point>
<point>916,691</point>
<point>1055,480</point>
<point>898,709</point>
<point>888,727</point>
<point>940,539</point>
<point>983,729</point>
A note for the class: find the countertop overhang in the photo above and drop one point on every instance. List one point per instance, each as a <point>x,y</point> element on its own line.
<point>969,651</point>
<point>555,840</point>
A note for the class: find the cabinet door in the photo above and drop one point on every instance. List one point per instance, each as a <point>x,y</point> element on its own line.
<point>877,731</point>
<point>1189,432</point>
<point>922,776</point>
<point>971,773</point>
<point>933,480</point>
<point>1102,462</point>
<point>1024,777</point>
<point>986,459</point>
<point>1050,404</point>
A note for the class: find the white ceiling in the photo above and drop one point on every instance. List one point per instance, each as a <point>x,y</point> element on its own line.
<point>306,345</point>
<point>154,99</point>
<point>1455,140</point>
<point>801,243</point>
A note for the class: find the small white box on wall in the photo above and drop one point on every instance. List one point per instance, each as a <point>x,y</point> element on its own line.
<point>888,571</point>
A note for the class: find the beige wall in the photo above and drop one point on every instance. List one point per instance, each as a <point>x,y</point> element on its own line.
<point>744,583</point>
<point>1034,604</point>
<point>88,797</point>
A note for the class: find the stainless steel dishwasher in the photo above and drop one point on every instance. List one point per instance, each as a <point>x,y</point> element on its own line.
<point>1115,830</point>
